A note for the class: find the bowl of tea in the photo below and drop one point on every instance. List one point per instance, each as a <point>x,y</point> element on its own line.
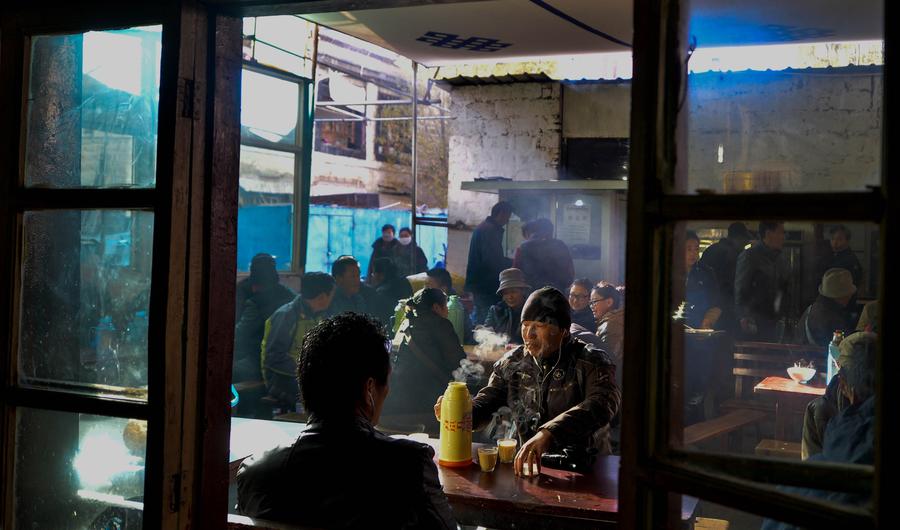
<point>801,374</point>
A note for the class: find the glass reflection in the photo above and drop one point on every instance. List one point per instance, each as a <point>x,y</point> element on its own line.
<point>78,470</point>
<point>774,336</point>
<point>93,109</point>
<point>85,300</point>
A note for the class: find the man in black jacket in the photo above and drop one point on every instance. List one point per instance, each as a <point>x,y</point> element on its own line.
<point>562,392</point>
<point>341,472</point>
<point>722,258</point>
<point>487,260</point>
<point>761,284</point>
<point>842,256</point>
<point>260,295</point>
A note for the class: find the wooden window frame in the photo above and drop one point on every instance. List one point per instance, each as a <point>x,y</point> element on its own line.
<point>194,202</point>
<point>652,471</point>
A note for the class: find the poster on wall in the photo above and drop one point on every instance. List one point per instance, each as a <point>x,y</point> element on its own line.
<point>575,226</point>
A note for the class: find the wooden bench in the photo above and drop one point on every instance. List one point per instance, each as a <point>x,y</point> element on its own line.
<point>725,424</point>
<point>778,449</point>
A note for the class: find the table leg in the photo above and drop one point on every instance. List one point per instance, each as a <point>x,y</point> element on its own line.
<point>781,413</point>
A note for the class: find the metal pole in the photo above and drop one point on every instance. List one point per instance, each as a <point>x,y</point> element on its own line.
<point>415,171</point>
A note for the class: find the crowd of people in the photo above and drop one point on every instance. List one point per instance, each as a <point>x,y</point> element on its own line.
<point>355,352</point>
<point>399,349</point>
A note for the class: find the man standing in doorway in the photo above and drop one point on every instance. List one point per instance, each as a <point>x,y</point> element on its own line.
<point>761,284</point>
<point>487,260</point>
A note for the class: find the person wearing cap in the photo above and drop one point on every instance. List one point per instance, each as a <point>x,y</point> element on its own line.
<point>842,391</point>
<point>562,391</point>
<point>504,317</point>
<point>847,435</point>
<point>259,295</point>
<point>722,257</point>
<point>487,259</point>
<point>830,312</point>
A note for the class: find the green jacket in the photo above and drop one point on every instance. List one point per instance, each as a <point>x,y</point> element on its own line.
<point>281,344</point>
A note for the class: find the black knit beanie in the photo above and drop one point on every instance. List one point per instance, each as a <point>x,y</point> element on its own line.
<point>548,305</point>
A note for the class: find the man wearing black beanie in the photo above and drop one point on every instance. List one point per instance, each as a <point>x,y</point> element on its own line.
<point>561,390</point>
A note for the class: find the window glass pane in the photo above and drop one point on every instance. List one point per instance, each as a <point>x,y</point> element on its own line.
<point>268,108</point>
<point>78,470</point>
<point>282,42</point>
<point>85,299</point>
<point>433,242</point>
<point>266,206</point>
<point>783,100</point>
<point>432,146</point>
<point>93,109</point>
<point>770,350</point>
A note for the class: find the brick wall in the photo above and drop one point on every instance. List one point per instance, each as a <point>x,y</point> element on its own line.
<point>504,130</point>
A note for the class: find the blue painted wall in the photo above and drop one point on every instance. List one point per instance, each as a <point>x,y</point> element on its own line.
<point>333,231</point>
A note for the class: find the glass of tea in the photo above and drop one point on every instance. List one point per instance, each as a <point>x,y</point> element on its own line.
<point>507,450</point>
<point>487,458</point>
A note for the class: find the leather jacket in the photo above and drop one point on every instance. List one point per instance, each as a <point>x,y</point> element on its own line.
<point>574,395</point>
<point>345,474</point>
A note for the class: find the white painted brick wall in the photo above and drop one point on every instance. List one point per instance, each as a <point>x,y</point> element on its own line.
<point>503,130</point>
<point>820,131</point>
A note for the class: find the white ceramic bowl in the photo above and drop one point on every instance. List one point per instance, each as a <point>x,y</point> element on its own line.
<point>801,375</point>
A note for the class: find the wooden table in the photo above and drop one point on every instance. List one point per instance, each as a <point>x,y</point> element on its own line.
<point>790,397</point>
<point>557,499</point>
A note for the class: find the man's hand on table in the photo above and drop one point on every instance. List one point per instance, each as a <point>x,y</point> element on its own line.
<point>530,453</point>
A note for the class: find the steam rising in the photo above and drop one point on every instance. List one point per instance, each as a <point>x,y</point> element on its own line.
<point>490,345</point>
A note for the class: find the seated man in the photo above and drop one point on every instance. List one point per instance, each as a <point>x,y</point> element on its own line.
<point>580,301</point>
<point>504,317</point>
<point>341,472</point>
<point>260,295</point>
<point>348,296</point>
<point>284,334</point>
<point>830,311</point>
<point>849,437</point>
<point>577,382</point>
<point>837,398</point>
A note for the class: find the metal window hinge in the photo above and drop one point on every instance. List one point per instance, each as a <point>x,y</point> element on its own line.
<point>188,96</point>
<point>175,496</point>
